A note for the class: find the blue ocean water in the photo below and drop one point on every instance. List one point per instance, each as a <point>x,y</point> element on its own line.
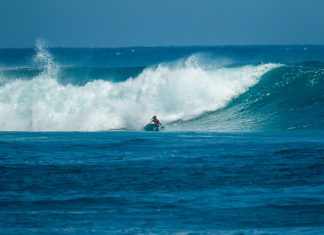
<point>172,182</point>
<point>242,151</point>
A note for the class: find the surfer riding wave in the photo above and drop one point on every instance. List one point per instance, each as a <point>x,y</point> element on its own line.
<point>156,121</point>
<point>154,124</point>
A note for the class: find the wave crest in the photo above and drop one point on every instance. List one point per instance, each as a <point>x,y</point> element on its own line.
<point>180,90</point>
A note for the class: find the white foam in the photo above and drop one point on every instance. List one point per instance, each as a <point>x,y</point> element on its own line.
<point>181,90</point>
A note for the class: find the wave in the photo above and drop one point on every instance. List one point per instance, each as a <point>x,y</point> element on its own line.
<point>289,97</point>
<point>182,90</point>
<point>76,75</point>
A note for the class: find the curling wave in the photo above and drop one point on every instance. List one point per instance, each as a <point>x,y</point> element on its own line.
<point>182,90</point>
<point>287,98</point>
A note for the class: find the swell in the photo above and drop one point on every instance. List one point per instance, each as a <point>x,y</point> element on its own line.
<point>76,75</point>
<point>289,97</point>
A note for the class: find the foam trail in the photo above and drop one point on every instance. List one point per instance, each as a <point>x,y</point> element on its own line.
<point>179,91</point>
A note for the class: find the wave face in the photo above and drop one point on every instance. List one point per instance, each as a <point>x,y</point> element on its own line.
<point>189,89</point>
<point>289,97</point>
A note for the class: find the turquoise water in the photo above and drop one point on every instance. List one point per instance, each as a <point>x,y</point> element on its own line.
<point>252,88</point>
<point>241,153</point>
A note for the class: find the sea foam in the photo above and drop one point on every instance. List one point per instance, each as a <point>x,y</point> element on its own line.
<point>179,90</point>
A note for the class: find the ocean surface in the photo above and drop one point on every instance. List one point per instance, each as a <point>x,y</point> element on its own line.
<point>242,151</point>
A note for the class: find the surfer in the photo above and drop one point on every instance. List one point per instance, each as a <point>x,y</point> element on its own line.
<point>156,121</point>
<point>153,125</point>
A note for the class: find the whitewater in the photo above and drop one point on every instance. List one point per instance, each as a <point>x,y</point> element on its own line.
<point>175,90</point>
<point>241,152</point>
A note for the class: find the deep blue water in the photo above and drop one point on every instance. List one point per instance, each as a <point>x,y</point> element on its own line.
<point>160,182</point>
<point>242,151</point>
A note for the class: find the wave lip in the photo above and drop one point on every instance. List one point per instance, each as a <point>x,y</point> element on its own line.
<point>287,98</point>
<point>179,90</point>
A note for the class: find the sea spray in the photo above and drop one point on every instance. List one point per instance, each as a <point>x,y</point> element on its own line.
<point>171,91</point>
<point>45,61</point>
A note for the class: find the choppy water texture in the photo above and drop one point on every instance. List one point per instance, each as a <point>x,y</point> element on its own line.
<point>132,182</point>
<point>241,153</point>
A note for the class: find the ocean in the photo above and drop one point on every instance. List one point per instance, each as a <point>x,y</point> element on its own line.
<point>242,151</point>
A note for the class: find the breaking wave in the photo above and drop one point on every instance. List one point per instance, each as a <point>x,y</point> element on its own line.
<point>181,90</point>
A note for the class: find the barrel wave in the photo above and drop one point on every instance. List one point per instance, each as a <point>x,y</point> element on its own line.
<point>194,91</point>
